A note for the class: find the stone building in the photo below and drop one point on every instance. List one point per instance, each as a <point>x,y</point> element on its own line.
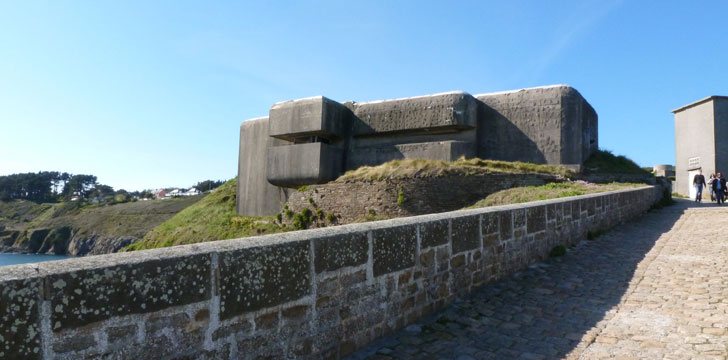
<point>314,140</point>
<point>701,130</point>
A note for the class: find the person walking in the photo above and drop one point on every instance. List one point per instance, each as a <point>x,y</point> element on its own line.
<point>719,188</point>
<point>710,187</point>
<point>699,182</point>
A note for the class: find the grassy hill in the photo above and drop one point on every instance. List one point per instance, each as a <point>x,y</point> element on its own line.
<point>88,229</point>
<point>605,162</point>
<point>407,168</point>
<point>549,191</point>
<point>212,218</point>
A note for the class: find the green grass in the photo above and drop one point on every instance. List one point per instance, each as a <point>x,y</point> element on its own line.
<point>407,168</point>
<point>212,218</point>
<point>549,191</point>
<point>605,162</point>
<point>15,215</point>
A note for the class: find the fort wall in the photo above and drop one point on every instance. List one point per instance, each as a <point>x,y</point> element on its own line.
<point>320,293</point>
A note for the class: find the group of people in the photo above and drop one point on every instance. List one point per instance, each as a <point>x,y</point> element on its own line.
<point>716,184</point>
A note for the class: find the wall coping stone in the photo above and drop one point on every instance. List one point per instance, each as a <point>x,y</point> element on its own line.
<point>37,270</point>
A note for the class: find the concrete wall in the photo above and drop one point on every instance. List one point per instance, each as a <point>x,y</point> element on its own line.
<point>304,164</point>
<point>551,125</point>
<point>310,294</point>
<point>311,116</point>
<point>255,194</point>
<point>720,114</point>
<point>436,150</point>
<point>694,137</point>
<point>433,113</point>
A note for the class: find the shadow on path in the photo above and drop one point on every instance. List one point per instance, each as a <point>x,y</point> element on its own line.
<point>543,312</point>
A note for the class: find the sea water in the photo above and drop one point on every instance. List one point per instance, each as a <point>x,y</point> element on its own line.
<point>12,259</point>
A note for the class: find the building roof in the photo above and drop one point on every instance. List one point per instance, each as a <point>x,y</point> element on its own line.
<point>696,103</point>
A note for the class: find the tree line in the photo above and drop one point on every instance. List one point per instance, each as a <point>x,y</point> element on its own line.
<point>52,186</point>
<point>46,186</point>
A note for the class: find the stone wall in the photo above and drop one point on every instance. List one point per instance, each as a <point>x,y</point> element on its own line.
<point>357,200</point>
<point>320,293</point>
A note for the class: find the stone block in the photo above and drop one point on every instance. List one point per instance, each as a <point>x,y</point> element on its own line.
<point>455,110</point>
<point>19,319</point>
<point>575,209</point>
<point>465,233</point>
<point>434,233</point>
<point>121,335</point>
<point>241,327</point>
<point>490,223</point>
<point>536,219</point>
<point>99,294</point>
<point>505,224</point>
<point>260,277</point>
<point>394,249</point>
<point>315,116</point>
<point>158,322</point>
<point>334,252</point>
<point>590,206</point>
<point>73,344</point>
<point>519,218</point>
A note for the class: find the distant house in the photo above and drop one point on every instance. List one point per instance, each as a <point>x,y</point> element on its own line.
<point>175,193</point>
<point>160,194</point>
<point>192,192</point>
<point>75,197</point>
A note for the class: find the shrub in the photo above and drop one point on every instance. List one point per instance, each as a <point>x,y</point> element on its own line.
<point>303,188</point>
<point>279,217</point>
<point>558,250</point>
<point>605,162</point>
<point>310,201</point>
<point>593,235</point>
<point>289,213</point>
<point>302,220</point>
<point>319,214</point>
<point>298,222</point>
<point>400,198</point>
<point>330,217</point>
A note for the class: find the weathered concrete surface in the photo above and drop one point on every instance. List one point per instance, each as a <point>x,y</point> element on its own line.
<point>311,116</point>
<point>437,150</point>
<point>256,196</point>
<point>304,164</point>
<point>550,124</point>
<point>653,288</point>
<point>432,112</point>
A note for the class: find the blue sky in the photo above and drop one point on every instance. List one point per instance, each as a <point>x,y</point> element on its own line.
<point>151,94</point>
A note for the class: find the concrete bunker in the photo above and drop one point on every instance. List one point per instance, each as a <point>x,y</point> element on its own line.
<point>315,140</point>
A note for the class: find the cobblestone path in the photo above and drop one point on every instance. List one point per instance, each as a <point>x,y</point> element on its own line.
<point>653,288</point>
